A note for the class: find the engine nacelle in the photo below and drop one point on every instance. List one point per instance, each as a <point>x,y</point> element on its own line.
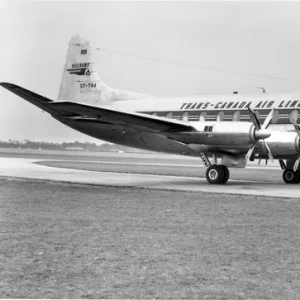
<point>281,144</point>
<point>226,133</point>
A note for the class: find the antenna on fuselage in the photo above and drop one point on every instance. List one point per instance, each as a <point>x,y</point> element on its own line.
<point>262,88</point>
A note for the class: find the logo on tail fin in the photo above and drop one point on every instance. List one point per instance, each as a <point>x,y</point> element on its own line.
<point>88,72</point>
<point>80,69</point>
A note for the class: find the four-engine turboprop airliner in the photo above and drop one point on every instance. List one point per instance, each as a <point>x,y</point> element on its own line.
<point>225,131</point>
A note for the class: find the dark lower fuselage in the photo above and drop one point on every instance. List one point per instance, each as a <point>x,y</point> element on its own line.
<point>132,137</point>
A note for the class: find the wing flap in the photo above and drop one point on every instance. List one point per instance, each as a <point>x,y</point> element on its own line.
<point>146,122</point>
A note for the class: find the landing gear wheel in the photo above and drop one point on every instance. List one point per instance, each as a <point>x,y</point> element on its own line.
<point>215,174</point>
<point>298,176</point>
<point>289,176</point>
<point>226,174</point>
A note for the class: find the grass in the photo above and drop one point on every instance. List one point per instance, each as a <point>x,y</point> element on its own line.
<point>62,240</point>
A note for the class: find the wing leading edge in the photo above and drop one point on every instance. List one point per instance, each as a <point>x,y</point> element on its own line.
<point>68,109</point>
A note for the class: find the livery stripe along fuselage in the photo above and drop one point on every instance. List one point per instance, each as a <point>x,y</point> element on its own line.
<point>220,108</point>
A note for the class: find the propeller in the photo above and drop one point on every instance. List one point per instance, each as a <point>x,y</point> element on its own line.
<point>296,164</point>
<point>297,161</point>
<point>261,132</point>
<point>297,129</point>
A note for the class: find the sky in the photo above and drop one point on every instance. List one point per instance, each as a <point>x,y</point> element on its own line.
<point>244,37</point>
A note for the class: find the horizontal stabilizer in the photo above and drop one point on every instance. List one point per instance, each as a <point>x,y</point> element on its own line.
<point>146,122</point>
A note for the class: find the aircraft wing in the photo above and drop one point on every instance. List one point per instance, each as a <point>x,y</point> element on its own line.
<point>146,122</point>
<point>68,109</point>
<point>36,99</point>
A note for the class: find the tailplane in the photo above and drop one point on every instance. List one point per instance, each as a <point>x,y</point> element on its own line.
<point>81,83</point>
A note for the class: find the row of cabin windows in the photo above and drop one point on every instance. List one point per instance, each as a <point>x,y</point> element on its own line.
<point>235,117</point>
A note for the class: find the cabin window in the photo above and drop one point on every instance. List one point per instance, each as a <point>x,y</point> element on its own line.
<point>294,116</point>
<point>169,115</point>
<point>202,117</point>
<point>220,116</point>
<point>275,116</point>
<point>208,128</point>
<point>236,116</point>
<point>185,117</point>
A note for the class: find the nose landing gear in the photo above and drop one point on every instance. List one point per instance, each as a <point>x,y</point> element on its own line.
<point>217,174</point>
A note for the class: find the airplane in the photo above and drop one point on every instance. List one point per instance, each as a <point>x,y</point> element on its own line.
<point>224,131</point>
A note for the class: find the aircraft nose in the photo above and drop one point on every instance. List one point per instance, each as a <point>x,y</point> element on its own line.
<point>262,134</point>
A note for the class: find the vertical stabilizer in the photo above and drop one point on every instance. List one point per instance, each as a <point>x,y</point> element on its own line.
<point>81,83</point>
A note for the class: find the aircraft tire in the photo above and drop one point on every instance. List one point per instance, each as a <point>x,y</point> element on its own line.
<point>291,177</point>
<point>298,176</point>
<point>226,173</point>
<point>215,174</point>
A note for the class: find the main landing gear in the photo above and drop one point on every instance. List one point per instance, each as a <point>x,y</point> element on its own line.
<point>291,177</point>
<point>217,174</point>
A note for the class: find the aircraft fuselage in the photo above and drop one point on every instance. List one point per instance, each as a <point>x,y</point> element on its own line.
<point>226,114</point>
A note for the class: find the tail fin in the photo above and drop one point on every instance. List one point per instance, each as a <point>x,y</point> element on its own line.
<point>81,83</point>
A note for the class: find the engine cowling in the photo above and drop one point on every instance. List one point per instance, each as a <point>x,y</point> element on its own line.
<point>226,133</point>
<point>281,143</point>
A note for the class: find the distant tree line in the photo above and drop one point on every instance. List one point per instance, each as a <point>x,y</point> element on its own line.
<point>75,146</point>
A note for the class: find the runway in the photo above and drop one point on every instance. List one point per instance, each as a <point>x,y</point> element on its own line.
<point>27,168</point>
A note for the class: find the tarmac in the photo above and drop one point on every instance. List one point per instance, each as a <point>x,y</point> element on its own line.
<point>26,168</point>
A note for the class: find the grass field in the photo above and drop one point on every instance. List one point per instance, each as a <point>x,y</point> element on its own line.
<point>62,240</point>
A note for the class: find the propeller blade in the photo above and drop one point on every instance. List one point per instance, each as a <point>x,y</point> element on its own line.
<point>268,150</point>
<point>296,164</point>
<point>250,151</point>
<point>297,128</point>
<point>254,118</point>
<point>268,119</point>
<point>282,164</point>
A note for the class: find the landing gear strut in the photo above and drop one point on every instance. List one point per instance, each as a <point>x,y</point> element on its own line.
<point>290,177</point>
<point>217,174</point>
